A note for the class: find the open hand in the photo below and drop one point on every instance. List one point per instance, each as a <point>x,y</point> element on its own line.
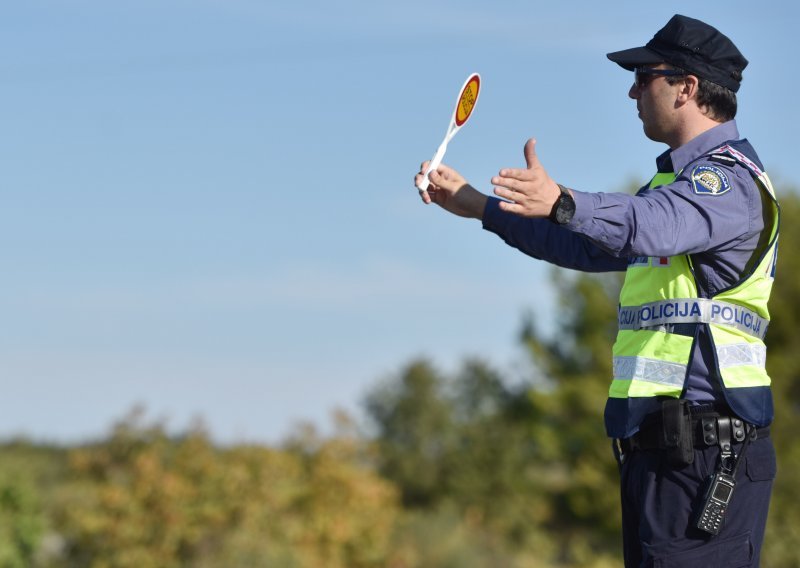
<point>530,192</point>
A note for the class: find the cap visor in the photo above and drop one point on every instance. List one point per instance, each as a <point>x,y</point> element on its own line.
<point>634,57</point>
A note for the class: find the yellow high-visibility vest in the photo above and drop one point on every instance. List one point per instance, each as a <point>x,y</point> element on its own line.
<point>650,360</point>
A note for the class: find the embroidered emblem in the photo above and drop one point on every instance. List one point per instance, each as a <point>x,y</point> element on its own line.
<point>709,180</point>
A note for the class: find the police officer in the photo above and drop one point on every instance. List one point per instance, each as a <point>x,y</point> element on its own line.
<point>690,403</point>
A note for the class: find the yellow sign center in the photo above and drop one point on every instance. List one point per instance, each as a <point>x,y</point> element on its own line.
<point>467,101</point>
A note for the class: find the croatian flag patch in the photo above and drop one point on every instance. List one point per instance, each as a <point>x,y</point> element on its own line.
<point>709,180</point>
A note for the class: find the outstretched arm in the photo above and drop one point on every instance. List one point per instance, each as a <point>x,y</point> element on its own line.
<point>529,193</point>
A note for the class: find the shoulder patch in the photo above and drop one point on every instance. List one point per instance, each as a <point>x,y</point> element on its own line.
<point>709,180</point>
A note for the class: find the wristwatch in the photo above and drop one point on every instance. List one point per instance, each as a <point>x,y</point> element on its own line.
<point>564,208</point>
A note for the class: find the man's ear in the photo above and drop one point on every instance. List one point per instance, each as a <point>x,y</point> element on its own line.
<point>689,88</point>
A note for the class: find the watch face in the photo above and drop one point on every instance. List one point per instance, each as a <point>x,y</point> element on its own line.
<point>565,209</point>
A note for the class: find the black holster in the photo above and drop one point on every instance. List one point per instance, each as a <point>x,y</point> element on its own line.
<point>676,429</point>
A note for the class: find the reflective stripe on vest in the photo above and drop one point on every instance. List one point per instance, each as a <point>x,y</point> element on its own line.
<point>649,370</point>
<point>661,372</point>
<point>696,310</point>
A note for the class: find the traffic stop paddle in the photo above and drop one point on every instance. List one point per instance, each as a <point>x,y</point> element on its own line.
<point>465,104</point>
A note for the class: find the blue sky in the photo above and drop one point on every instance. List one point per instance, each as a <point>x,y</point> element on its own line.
<point>207,205</point>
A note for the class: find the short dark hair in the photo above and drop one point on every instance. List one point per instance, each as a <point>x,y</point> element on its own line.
<point>720,101</point>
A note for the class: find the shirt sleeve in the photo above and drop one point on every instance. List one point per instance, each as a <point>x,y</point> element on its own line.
<point>544,240</point>
<point>683,217</point>
<point>679,218</point>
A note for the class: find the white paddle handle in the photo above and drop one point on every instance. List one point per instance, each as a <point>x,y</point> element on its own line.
<point>437,159</point>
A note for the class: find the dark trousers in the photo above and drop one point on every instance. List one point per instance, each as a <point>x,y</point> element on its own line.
<point>659,503</point>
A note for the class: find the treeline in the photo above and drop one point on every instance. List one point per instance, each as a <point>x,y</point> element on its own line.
<point>464,470</point>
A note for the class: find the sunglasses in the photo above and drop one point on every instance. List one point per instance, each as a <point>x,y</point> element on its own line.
<point>642,75</point>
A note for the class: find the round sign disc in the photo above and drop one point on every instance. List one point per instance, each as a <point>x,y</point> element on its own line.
<point>467,100</point>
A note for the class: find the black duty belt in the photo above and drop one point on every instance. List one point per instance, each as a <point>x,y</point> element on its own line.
<point>706,431</point>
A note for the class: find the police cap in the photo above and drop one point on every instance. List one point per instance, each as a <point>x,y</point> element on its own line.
<point>693,46</point>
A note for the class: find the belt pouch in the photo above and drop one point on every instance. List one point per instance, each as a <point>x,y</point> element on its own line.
<point>676,425</point>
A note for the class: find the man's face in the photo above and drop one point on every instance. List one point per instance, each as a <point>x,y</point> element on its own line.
<point>656,102</point>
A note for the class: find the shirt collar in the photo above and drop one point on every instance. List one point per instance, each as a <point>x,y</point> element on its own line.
<point>677,159</point>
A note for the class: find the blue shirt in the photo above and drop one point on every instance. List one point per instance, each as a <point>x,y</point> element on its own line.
<point>720,230</point>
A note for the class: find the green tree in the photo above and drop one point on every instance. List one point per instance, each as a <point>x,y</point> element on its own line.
<point>29,474</point>
<point>567,421</point>
<point>457,450</point>
<point>21,522</point>
<point>145,499</point>
<point>782,542</point>
<point>414,433</point>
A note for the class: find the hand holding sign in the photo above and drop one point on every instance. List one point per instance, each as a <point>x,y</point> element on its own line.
<point>465,104</point>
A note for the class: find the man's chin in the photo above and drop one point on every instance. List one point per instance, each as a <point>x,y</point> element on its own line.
<point>650,134</point>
